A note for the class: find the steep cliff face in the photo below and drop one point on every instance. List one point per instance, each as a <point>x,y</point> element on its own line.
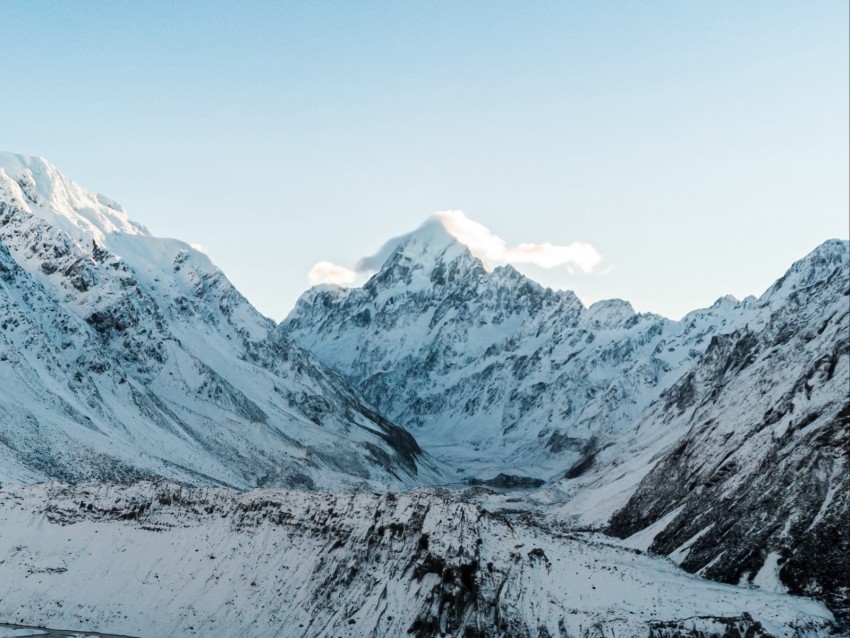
<point>185,562</point>
<point>127,356</point>
<point>758,489</point>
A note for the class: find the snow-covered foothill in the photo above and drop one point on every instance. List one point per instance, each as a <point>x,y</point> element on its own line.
<point>163,560</point>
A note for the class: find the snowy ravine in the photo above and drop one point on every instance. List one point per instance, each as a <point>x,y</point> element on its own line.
<point>125,356</point>
<point>164,560</point>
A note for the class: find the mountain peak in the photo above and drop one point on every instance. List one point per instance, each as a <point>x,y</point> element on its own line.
<point>827,264</point>
<point>428,244</point>
<point>37,186</point>
<point>429,256</point>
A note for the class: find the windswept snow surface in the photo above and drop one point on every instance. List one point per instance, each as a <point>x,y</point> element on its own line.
<point>162,560</point>
<point>125,356</point>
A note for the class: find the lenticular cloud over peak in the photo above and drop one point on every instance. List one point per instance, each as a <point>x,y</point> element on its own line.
<point>481,242</point>
<point>495,251</point>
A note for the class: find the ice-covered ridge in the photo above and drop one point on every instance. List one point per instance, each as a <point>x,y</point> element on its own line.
<point>92,221</point>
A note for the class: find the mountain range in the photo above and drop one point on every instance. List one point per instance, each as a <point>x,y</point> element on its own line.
<point>600,434</point>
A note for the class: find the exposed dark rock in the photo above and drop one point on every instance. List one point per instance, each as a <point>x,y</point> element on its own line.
<point>508,481</point>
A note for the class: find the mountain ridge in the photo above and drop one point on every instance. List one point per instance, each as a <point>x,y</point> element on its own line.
<point>424,563</point>
<point>157,366</point>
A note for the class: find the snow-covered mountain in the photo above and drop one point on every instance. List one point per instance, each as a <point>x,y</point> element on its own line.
<point>126,356</point>
<point>718,439</point>
<point>161,560</point>
<point>758,490</point>
<point>718,442</point>
<point>491,371</point>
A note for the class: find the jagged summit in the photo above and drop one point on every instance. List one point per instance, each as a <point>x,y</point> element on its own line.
<point>92,221</point>
<point>427,257</point>
<point>821,267</point>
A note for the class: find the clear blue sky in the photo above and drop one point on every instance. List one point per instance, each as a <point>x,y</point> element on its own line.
<point>701,147</point>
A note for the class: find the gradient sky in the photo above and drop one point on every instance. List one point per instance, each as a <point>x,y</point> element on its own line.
<point>700,147</point>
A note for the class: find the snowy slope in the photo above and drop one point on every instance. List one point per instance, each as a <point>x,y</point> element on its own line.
<point>161,560</point>
<point>716,440</point>
<point>127,356</point>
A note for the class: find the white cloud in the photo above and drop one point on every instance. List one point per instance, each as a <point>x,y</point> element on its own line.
<point>495,251</point>
<point>574,256</point>
<point>481,241</point>
<point>199,248</point>
<point>327,273</point>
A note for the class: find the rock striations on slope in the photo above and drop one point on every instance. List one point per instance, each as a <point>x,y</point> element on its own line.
<point>127,356</point>
<point>758,488</point>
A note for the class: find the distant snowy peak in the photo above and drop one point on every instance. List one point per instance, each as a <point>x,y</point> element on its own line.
<point>430,242</point>
<point>452,231</point>
<point>449,235</point>
<point>430,274</point>
<point>437,260</point>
